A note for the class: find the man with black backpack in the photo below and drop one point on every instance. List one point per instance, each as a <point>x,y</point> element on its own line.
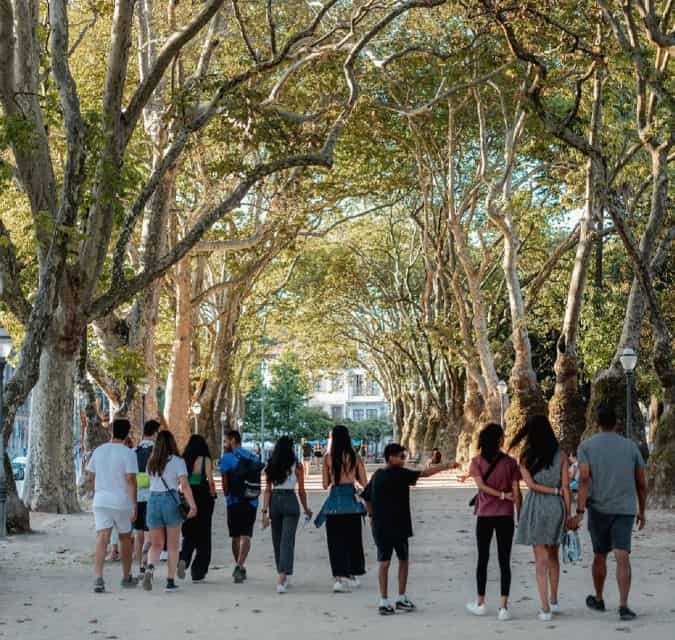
<point>241,476</point>
<point>143,451</point>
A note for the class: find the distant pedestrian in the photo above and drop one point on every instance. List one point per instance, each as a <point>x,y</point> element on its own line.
<point>197,530</point>
<point>613,486</point>
<point>240,472</point>
<point>143,451</point>
<point>435,458</point>
<point>167,473</point>
<point>387,498</point>
<point>543,467</point>
<point>280,506</point>
<point>307,452</point>
<point>497,477</point>
<point>112,474</point>
<point>342,511</point>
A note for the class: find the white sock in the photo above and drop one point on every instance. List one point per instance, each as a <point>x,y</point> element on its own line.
<point>384,602</point>
<point>402,597</point>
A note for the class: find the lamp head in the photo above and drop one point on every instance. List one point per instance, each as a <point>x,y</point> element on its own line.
<point>5,343</point>
<point>502,387</point>
<point>628,360</point>
<point>196,408</point>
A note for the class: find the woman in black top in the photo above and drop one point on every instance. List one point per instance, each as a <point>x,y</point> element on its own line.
<point>197,531</point>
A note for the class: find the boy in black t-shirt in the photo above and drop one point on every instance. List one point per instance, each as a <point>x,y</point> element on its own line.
<point>387,498</point>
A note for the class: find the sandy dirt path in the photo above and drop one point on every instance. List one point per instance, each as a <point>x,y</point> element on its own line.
<point>45,588</point>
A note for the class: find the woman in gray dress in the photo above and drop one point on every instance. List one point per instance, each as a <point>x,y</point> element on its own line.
<point>546,506</point>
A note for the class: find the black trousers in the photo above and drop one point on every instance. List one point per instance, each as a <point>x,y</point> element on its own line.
<point>197,534</point>
<point>503,526</point>
<point>345,545</point>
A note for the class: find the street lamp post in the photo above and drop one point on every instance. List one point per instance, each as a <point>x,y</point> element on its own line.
<point>265,383</point>
<point>628,362</point>
<point>196,410</point>
<point>503,388</point>
<point>5,349</point>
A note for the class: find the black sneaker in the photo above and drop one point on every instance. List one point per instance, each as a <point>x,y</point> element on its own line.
<point>386,610</point>
<point>594,604</point>
<point>99,585</point>
<point>627,614</point>
<point>141,571</point>
<point>171,586</point>
<point>129,582</point>
<point>244,575</point>
<point>405,605</point>
<point>238,575</point>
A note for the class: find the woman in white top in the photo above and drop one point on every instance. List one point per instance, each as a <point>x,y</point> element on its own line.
<point>167,473</point>
<point>280,505</point>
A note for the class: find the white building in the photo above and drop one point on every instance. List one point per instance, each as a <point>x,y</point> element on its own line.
<point>350,394</point>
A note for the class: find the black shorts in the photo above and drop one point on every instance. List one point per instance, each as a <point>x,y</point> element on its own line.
<point>387,544</point>
<point>139,524</point>
<point>610,531</point>
<point>240,519</point>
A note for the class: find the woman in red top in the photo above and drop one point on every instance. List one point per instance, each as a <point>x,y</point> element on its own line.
<point>496,476</point>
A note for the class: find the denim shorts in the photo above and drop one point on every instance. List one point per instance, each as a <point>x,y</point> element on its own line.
<point>163,510</point>
<point>610,531</point>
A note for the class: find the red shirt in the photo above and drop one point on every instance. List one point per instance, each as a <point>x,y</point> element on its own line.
<point>502,478</point>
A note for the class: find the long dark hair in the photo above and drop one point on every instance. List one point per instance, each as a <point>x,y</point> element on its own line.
<point>341,452</point>
<point>195,448</point>
<point>164,447</point>
<point>282,462</point>
<point>489,440</point>
<point>540,445</point>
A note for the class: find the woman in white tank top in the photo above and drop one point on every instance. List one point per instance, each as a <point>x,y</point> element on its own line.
<point>280,505</point>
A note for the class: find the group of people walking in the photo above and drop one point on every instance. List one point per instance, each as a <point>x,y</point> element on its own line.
<point>153,490</point>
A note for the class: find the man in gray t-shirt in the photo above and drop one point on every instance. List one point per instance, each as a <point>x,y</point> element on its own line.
<point>613,485</point>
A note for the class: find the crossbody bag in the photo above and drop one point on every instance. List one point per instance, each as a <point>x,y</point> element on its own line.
<point>486,475</point>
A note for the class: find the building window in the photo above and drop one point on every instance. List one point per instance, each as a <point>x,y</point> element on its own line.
<point>336,413</point>
<point>337,384</point>
<point>372,388</point>
<point>371,414</point>
<point>318,385</point>
<point>357,415</point>
<point>358,385</point>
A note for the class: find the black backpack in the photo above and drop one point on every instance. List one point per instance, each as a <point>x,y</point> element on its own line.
<point>244,481</point>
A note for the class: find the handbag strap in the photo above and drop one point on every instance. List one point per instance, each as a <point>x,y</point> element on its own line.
<point>161,477</point>
<point>492,466</point>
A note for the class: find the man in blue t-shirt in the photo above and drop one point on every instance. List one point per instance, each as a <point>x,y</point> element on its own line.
<point>241,513</point>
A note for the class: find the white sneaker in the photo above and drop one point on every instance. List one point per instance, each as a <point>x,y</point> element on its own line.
<point>476,609</point>
<point>164,556</point>
<point>504,615</point>
<point>545,616</point>
<point>340,587</point>
<point>555,608</point>
<point>354,583</point>
<point>281,588</point>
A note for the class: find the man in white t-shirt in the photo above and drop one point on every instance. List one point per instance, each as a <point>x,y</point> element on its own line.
<point>112,475</point>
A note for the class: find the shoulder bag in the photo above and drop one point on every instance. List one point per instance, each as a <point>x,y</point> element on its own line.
<point>486,475</point>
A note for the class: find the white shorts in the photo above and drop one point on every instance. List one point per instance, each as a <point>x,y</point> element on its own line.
<point>107,518</point>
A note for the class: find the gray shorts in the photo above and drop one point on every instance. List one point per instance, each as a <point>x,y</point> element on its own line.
<point>610,531</point>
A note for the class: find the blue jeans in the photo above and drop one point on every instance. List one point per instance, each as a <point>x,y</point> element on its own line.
<point>163,510</point>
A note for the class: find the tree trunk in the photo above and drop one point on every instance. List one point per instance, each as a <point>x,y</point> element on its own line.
<point>178,392</point>
<point>661,470</point>
<point>50,478</point>
<point>18,516</point>
<point>473,409</point>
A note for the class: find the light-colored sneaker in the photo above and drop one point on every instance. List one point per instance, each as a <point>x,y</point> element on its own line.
<point>147,578</point>
<point>504,615</point>
<point>281,588</point>
<point>555,608</point>
<point>163,556</point>
<point>340,587</point>
<point>354,583</point>
<point>476,609</point>
<point>544,616</point>
<point>180,569</point>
